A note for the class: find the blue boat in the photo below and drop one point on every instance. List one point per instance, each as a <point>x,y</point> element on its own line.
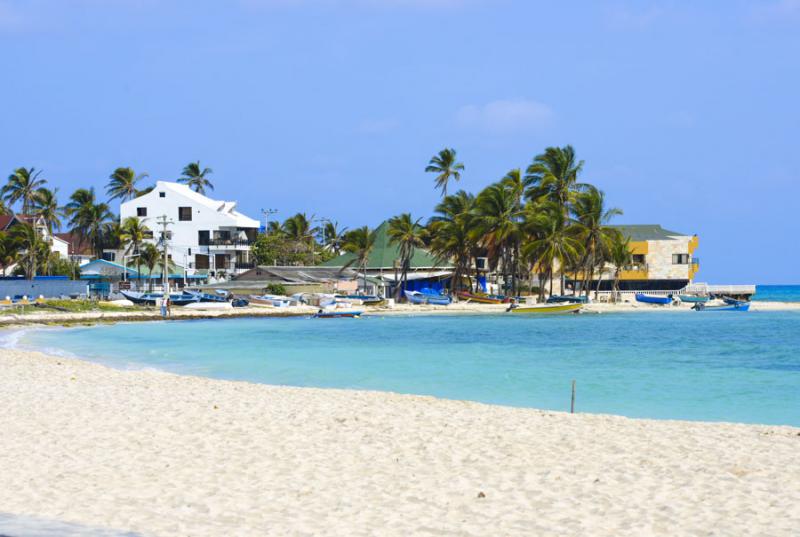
<point>693,299</point>
<point>427,296</point>
<point>653,299</point>
<point>217,296</point>
<point>333,314</point>
<point>149,299</point>
<point>738,305</point>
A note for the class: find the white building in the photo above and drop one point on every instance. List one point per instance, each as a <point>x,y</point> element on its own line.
<point>205,236</point>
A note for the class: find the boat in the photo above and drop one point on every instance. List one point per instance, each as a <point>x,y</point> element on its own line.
<point>739,305</point>
<point>218,295</point>
<point>149,299</point>
<point>653,299</point>
<point>365,300</point>
<point>427,296</point>
<point>547,308</point>
<point>276,301</point>
<point>693,299</point>
<point>483,299</point>
<point>574,299</point>
<point>334,314</point>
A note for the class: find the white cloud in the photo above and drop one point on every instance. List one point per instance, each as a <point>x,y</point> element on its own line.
<point>509,115</point>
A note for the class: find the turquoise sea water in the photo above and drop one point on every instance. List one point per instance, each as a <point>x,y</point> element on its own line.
<point>778,293</point>
<point>700,366</point>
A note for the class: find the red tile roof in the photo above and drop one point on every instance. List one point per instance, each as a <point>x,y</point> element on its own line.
<point>77,245</point>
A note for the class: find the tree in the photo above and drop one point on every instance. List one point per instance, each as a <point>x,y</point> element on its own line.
<point>552,241</point>
<point>299,231</point>
<point>333,237</point>
<point>592,218</point>
<point>445,166</point>
<point>45,206</point>
<point>89,219</point>
<point>497,228</point>
<point>9,250</point>
<point>360,241</point>
<point>151,257</point>
<point>408,235</point>
<point>451,233</point>
<point>122,184</point>
<point>271,250</point>
<point>32,248</point>
<point>554,175</point>
<point>620,256</point>
<point>22,186</point>
<point>133,234</point>
<point>517,184</point>
<point>196,178</point>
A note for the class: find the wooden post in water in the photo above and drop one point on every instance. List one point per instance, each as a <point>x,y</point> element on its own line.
<point>572,403</point>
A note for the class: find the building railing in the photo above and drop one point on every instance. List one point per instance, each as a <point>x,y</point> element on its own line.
<point>227,267</point>
<point>226,242</point>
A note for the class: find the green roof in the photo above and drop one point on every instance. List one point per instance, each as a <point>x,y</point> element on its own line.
<point>384,254</point>
<point>648,232</point>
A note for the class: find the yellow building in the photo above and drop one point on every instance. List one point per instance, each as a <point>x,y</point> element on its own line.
<point>663,260</point>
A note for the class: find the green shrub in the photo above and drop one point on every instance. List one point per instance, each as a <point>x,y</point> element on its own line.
<point>276,289</point>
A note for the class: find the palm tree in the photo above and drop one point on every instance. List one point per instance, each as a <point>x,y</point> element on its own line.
<point>45,206</point>
<point>408,235</point>
<point>298,230</point>
<point>620,256</point>
<point>554,175</point>
<point>133,234</point>
<point>451,234</point>
<point>22,186</point>
<point>445,166</point>
<point>151,257</point>
<point>9,250</point>
<point>592,218</point>
<point>122,184</point>
<point>497,228</point>
<point>517,184</point>
<point>552,240</point>
<point>360,241</point>
<point>195,178</point>
<point>88,218</point>
<point>31,248</point>
<point>333,237</point>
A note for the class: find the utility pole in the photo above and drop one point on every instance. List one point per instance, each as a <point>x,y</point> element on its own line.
<point>267,213</point>
<point>164,222</point>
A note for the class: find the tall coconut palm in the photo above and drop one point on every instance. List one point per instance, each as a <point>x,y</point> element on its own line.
<point>22,186</point>
<point>45,206</point>
<point>88,218</point>
<point>553,242</point>
<point>361,242</point>
<point>592,218</point>
<point>196,177</point>
<point>133,235</point>
<point>333,236</point>
<point>620,256</point>
<point>451,234</point>
<point>122,184</point>
<point>554,175</point>
<point>445,166</point>
<point>517,184</point>
<point>408,235</point>
<point>151,257</point>
<point>497,229</point>
<point>298,230</point>
<point>32,248</point>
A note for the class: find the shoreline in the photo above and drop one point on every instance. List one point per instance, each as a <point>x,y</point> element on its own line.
<point>49,318</point>
<point>166,454</point>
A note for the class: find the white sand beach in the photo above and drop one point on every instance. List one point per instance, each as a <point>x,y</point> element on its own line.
<point>167,455</point>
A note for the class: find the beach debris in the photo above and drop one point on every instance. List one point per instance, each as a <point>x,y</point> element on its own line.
<point>216,407</point>
<point>481,494</point>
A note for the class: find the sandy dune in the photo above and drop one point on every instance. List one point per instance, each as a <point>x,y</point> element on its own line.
<point>161,454</point>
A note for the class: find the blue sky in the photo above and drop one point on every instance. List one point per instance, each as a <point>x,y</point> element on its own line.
<point>686,112</point>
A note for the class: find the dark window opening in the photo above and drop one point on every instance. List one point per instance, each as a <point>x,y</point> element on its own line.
<point>162,194</point>
<point>141,211</point>
<point>680,259</point>
<point>184,214</point>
